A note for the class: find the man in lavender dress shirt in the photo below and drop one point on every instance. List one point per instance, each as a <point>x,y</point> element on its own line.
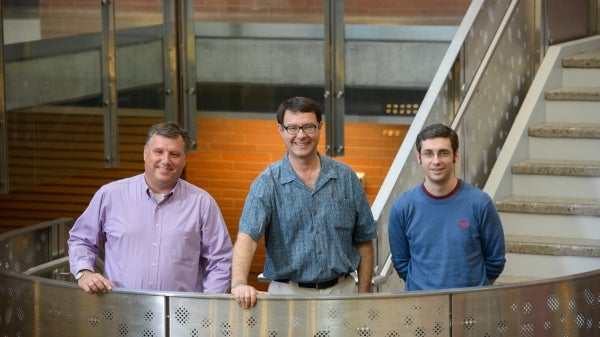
<point>156,230</point>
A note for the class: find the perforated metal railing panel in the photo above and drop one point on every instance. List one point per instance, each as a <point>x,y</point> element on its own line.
<point>361,316</point>
<point>50,304</point>
<point>568,307</point>
<point>54,308</point>
<point>25,250</point>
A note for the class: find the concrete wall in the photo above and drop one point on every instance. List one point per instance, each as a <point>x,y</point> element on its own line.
<point>387,64</point>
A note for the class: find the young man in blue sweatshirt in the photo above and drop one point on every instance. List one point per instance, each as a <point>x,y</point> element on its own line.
<point>444,233</point>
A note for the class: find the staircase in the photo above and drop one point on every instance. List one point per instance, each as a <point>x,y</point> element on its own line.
<point>552,217</point>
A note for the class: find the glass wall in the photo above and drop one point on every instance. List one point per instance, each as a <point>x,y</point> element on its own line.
<point>84,79</point>
<point>62,60</point>
<point>253,54</point>
<point>140,46</point>
<point>52,61</point>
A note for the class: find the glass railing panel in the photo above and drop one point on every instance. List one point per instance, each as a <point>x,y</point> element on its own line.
<point>502,84</point>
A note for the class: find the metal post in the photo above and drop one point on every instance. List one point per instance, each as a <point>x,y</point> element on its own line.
<point>334,77</point>
<point>109,85</point>
<point>3,116</point>
<point>170,73</point>
<point>187,67</point>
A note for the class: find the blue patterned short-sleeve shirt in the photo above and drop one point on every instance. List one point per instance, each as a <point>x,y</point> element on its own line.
<point>310,235</point>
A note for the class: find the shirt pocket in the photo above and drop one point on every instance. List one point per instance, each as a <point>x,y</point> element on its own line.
<point>185,246</point>
<point>340,213</point>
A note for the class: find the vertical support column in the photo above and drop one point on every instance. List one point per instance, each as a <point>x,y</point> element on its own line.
<point>109,84</point>
<point>540,31</point>
<point>170,73</point>
<point>187,65</point>
<point>180,64</point>
<point>334,77</point>
<point>3,116</point>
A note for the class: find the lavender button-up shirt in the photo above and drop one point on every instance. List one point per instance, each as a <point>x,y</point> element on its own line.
<point>179,244</point>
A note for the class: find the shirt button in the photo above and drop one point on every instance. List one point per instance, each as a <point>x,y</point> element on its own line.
<point>156,245</point>
<point>156,225</point>
<point>153,264</point>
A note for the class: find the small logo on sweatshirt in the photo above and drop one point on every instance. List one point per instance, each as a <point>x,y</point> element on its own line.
<point>463,223</point>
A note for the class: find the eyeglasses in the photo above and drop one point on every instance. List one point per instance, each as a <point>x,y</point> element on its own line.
<point>430,154</point>
<point>307,128</point>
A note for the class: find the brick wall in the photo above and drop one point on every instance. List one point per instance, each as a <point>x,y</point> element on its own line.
<point>232,152</point>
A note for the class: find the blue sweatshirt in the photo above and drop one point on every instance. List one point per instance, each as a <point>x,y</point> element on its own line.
<point>449,242</point>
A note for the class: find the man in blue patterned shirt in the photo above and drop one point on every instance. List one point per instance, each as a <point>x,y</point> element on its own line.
<point>313,213</point>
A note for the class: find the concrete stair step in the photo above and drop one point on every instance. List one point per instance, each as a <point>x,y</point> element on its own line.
<point>547,245</point>
<point>561,167</point>
<point>557,178</point>
<point>580,226</point>
<point>566,130</point>
<point>570,141</point>
<point>581,77</point>
<point>582,69</point>
<point>572,112</point>
<point>556,186</point>
<point>548,266</point>
<point>574,94</point>
<point>590,59</point>
<point>550,205</point>
<point>563,148</point>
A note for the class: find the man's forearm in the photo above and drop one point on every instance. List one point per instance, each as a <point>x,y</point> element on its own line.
<point>365,268</point>
<point>243,253</point>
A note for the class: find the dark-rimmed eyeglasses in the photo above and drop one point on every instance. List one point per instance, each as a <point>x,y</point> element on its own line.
<point>307,128</point>
<point>443,154</point>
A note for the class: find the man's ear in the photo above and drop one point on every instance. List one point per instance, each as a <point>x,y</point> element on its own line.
<point>418,155</point>
<point>456,156</point>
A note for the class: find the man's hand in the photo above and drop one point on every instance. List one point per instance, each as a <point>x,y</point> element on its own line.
<point>95,283</point>
<point>245,294</point>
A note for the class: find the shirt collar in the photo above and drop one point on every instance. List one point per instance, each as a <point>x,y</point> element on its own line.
<point>288,175</point>
<point>149,192</point>
<point>450,194</point>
